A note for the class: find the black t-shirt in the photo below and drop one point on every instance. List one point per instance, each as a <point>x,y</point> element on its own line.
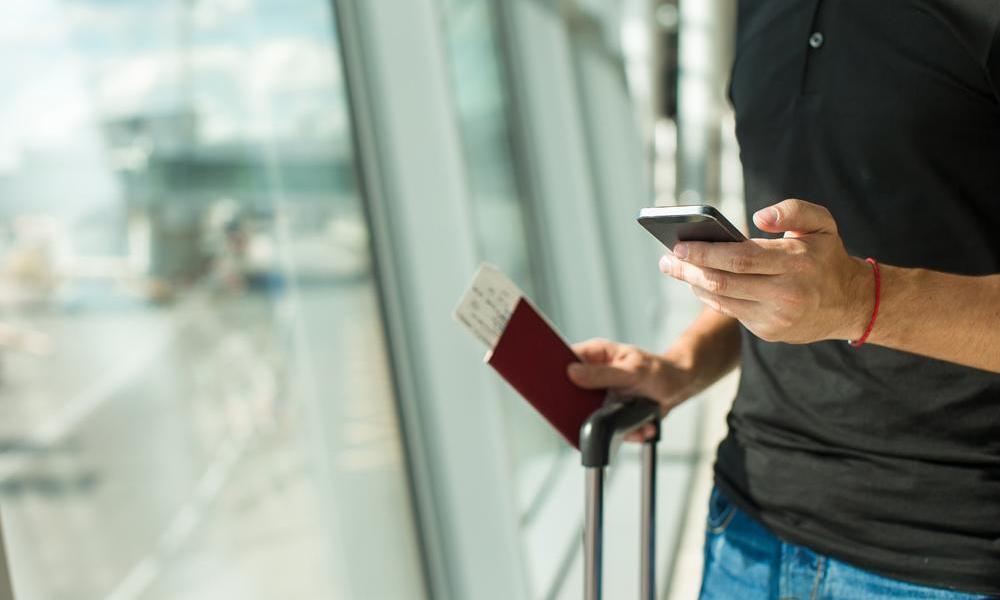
<point>888,113</point>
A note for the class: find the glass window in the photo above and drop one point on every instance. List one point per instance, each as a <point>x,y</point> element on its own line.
<point>195,390</point>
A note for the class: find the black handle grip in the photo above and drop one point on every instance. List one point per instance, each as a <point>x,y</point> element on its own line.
<point>604,430</point>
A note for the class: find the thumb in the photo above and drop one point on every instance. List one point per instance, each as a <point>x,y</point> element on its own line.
<point>595,376</point>
<point>795,217</point>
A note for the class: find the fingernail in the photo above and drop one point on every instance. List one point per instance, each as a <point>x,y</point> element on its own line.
<point>665,263</point>
<point>767,216</point>
<point>681,251</point>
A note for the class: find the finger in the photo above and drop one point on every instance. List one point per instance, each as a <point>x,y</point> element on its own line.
<point>761,257</point>
<point>731,307</point>
<point>642,434</point>
<point>596,350</point>
<point>595,376</point>
<point>795,217</point>
<point>732,285</point>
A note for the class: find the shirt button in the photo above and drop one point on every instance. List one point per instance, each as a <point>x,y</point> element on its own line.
<point>816,40</point>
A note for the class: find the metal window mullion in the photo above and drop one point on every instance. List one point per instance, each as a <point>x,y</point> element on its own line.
<point>705,43</point>
<point>413,168</point>
<point>519,142</point>
<point>6,589</point>
<point>371,183</point>
<point>552,145</point>
<point>621,185</point>
<point>526,162</point>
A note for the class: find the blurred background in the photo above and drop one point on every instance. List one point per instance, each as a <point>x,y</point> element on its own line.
<point>232,233</point>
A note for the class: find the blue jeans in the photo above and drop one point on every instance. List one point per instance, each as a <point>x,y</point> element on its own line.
<point>745,561</point>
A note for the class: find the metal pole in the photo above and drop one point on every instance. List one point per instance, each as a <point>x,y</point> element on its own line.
<point>592,534</point>
<point>648,511</point>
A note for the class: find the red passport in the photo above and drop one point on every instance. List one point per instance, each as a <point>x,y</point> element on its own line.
<point>533,358</point>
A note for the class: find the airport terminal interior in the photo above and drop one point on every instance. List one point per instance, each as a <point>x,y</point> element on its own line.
<point>232,236</point>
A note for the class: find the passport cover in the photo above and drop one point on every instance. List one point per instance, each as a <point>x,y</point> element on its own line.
<point>532,357</point>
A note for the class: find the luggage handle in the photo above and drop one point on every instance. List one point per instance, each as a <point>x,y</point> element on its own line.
<point>603,431</point>
<point>600,437</point>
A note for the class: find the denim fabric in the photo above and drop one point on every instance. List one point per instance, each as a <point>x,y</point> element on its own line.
<point>745,561</point>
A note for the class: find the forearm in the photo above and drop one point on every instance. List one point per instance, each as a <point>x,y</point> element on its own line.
<point>707,350</point>
<point>949,317</point>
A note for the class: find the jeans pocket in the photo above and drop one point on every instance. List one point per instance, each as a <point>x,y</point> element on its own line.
<point>720,512</point>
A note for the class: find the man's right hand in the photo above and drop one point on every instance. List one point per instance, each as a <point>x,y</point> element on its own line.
<point>633,371</point>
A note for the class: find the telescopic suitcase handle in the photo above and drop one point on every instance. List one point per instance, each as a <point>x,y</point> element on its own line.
<point>600,436</point>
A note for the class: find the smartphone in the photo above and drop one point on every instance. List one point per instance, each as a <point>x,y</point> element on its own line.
<point>699,223</point>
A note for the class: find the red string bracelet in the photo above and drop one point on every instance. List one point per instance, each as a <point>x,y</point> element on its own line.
<point>878,300</point>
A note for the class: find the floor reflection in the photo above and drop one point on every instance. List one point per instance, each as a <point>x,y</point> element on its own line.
<point>161,453</point>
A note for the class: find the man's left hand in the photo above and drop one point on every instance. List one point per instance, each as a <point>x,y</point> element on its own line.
<point>798,289</point>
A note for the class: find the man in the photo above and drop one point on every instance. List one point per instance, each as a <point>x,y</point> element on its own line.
<point>851,471</point>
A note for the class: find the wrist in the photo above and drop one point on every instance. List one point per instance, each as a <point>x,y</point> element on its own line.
<point>860,301</point>
<point>677,371</point>
<point>901,288</point>
<point>681,355</point>
<point>708,349</point>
